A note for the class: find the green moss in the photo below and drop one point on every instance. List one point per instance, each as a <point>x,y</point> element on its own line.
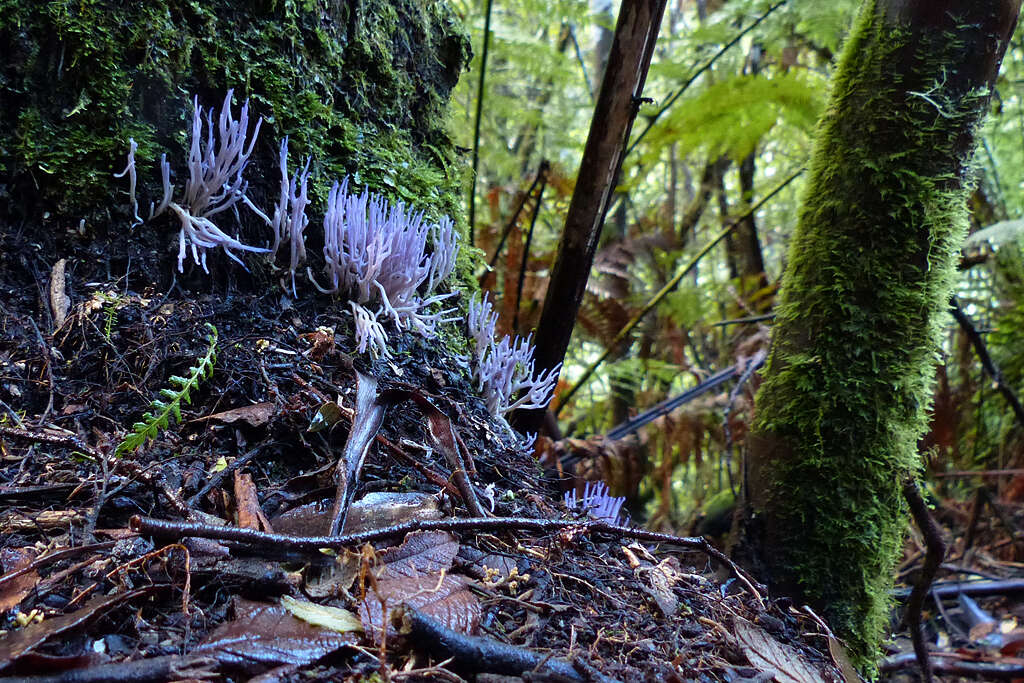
<point>362,87</point>
<point>863,299</point>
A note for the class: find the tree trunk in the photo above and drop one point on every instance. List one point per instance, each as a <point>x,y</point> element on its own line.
<point>863,300</point>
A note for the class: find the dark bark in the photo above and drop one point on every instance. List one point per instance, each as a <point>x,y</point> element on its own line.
<point>635,34</point>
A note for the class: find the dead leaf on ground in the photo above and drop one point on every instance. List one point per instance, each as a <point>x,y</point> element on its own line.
<point>255,415</point>
<point>421,553</point>
<point>60,302</point>
<point>769,655</point>
<point>247,505</point>
<point>18,643</point>
<point>334,618</point>
<point>445,598</point>
<point>263,636</point>
<point>334,580</point>
<point>13,590</point>
<point>662,577</point>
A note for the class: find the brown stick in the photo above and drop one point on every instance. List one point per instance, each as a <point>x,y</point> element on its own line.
<point>933,558</point>
<point>165,530</point>
<point>618,102</point>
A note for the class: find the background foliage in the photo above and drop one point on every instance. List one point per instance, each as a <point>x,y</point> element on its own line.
<point>720,138</point>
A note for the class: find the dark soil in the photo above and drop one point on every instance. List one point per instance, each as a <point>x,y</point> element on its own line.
<point>86,598</point>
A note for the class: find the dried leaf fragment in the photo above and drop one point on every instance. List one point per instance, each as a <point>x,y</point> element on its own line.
<point>769,655</point>
<point>255,415</point>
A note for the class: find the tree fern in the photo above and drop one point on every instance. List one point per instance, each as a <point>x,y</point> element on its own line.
<point>161,409</point>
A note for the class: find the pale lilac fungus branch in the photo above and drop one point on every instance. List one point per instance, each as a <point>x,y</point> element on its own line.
<point>132,181</point>
<point>596,502</point>
<point>505,369</point>
<point>214,184</point>
<point>290,213</point>
<point>378,253</point>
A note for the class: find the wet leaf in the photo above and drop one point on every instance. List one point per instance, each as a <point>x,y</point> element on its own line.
<point>421,553</point>
<point>18,643</point>
<point>334,618</point>
<point>367,420</point>
<point>264,636</point>
<point>842,661</point>
<point>14,590</point>
<point>444,598</point>
<point>326,417</point>
<point>769,655</point>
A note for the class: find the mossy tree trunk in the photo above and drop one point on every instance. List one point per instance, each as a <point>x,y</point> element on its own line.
<point>863,300</point>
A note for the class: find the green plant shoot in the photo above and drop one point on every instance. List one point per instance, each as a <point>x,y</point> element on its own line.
<point>170,404</point>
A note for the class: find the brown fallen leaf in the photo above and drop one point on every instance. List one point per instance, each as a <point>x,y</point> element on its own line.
<point>422,553</point>
<point>14,590</point>
<point>767,654</point>
<point>442,597</point>
<point>662,577</point>
<point>263,636</point>
<point>255,415</point>
<point>19,643</point>
<point>247,505</point>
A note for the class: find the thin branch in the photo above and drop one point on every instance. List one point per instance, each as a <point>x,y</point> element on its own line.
<point>542,171</point>
<point>564,398</point>
<point>526,254</point>
<point>986,360</point>
<point>479,115</point>
<point>174,531</point>
<point>936,551</point>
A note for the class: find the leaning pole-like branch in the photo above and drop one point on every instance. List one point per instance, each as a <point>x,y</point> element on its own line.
<point>617,102</point>
<point>986,360</point>
<point>476,120</point>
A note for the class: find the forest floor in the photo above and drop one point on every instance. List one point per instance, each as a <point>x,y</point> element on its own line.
<point>200,554</point>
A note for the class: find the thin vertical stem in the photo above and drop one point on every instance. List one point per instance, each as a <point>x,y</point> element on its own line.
<point>476,124</point>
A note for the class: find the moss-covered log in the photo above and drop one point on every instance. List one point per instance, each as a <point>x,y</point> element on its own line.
<point>361,87</point>
<point>863,299</point>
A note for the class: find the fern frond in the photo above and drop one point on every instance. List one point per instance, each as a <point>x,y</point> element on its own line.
<point>161,409</point>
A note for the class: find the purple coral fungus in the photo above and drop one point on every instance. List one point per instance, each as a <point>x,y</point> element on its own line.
<point>596,502</point>
<point>215,183</point>
<point>378,252</point>
<point>505,369</point>
<point>290,213</point>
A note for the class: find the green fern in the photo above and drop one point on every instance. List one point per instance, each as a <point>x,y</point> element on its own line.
<point>111,303</point>
<point>161,409</point>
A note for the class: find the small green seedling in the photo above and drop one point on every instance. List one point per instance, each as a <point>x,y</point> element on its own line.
<point>161,409</point>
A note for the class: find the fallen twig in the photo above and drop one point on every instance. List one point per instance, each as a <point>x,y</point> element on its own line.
<point>951,663</point>
<point>165,668</point>
<point>475,654</point>
<point>165,530</point>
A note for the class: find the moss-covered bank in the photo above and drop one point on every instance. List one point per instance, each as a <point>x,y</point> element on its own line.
<point>862,303</point>
<point>362,87</point>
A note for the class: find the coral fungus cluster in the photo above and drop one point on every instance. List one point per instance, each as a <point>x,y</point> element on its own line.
<point>386,257</point>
